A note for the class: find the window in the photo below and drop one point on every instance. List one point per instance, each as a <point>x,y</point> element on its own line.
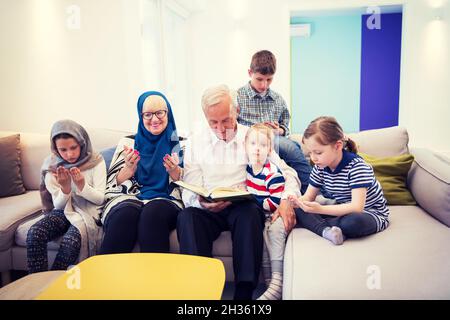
<point>165,55</point>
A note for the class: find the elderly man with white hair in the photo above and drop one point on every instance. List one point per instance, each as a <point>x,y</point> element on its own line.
<point>215,157</point>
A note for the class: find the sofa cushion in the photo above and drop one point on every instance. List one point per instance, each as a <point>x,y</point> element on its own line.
<point>35,148</point>
<point>392,172</point>
<point>15,210</point>
<point>385,142</point>
<point>12,183</point>
<point>107,155</point>
<point>408,260</point>
<point>105,138</point>
<point>429,182</point>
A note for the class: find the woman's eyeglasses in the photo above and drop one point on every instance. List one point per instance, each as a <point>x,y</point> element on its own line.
<point>149,115</point>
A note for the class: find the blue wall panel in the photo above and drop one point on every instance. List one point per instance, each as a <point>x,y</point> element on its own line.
<point>380,72</point>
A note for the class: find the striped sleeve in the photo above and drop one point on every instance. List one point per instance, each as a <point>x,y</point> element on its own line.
<point>361,175</point>
<point>275,186</point>
<point>316,177</point>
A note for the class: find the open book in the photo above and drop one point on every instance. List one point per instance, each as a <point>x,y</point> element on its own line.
<point>217,194</point>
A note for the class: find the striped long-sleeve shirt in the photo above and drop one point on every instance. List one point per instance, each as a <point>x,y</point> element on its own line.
<point>267,186</point>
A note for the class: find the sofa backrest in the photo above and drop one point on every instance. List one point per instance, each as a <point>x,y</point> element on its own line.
<point>35,147</point>
<point>384,142</point>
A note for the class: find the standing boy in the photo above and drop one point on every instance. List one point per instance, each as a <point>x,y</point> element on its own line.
<point>258,103</point>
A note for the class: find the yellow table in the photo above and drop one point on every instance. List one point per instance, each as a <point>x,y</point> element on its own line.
<point>140,276</point>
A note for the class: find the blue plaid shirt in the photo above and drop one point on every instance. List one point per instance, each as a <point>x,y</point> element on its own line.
<point>255,108</point>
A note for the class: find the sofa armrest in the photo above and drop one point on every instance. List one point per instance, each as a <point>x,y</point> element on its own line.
<point>429,182</point>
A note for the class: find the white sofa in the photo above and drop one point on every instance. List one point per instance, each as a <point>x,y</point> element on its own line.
<point>408,260</point>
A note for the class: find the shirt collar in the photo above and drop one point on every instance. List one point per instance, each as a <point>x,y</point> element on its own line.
<point>240,135</point>
<point>252,93</point>
<point>346,158</point>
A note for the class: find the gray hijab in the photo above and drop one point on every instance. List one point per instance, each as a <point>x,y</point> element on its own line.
<point>87,160</point>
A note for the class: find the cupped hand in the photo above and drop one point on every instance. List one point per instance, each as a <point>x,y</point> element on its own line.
<point>63,178</point>
<point>77,177</point>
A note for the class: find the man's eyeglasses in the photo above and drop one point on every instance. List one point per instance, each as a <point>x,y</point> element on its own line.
<point>149,115</point>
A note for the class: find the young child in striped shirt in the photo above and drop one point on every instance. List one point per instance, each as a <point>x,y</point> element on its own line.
<point>360,208</point>
<point>266,182</point>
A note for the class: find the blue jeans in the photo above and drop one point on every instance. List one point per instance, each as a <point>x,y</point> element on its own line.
<point>353,225</point>
<point>291,152</point>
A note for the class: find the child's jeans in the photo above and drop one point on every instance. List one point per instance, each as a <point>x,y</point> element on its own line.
<point>353,225</point>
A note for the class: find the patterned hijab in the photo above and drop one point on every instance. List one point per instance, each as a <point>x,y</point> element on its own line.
<point>87,160</point>
<point>151,174</point>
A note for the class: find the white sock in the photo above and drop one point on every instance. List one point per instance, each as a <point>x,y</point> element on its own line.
<point>275,289</point>
<point>334,234</point>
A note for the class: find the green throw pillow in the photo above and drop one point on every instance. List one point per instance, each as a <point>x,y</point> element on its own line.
<point>392,172</point>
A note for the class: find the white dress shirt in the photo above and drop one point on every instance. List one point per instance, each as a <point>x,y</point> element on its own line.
<point>210,162</point>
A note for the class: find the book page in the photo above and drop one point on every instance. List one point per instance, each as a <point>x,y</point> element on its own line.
<point>220,192</point>
<point>198,190</point>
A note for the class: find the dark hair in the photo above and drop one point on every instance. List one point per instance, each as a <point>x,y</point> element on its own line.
<point>328,131</point>
<point>264,62</point>
<point>63,136</point>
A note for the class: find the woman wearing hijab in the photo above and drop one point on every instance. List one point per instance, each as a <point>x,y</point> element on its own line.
<point>142,206</point>
<point>73,180</point>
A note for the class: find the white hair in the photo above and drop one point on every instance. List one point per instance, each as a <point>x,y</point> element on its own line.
<point>214,95</point>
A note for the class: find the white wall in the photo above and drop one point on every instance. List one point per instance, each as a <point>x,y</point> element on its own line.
<point>225,35</point>
<point>223,40</point>
<point>94,75</point>
<point>425,74</point>
<point>48,71</point>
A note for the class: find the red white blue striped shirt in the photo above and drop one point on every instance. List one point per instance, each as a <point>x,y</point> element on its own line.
<point>267,186</point>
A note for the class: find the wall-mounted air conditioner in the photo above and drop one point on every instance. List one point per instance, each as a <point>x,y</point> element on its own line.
<point>301,30</point>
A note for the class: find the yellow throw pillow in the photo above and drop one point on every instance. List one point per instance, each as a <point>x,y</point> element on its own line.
<point>392,172</point>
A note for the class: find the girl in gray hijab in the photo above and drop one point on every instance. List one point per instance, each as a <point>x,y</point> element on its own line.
<point>73,180</point>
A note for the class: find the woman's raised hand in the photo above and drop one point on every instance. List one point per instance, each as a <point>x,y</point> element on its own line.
<point>171,163</point>
<point>131,158</point>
